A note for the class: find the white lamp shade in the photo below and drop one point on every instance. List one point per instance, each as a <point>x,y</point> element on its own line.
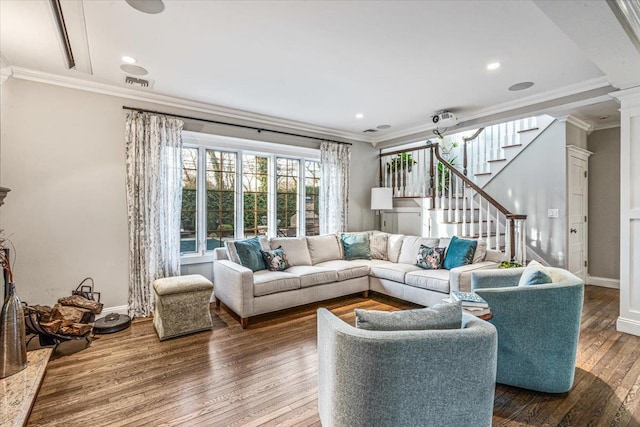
<point>381,198</point>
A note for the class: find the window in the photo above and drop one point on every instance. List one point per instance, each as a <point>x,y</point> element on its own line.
<point>221,194</point>
<point>255,193</point>
<point>188,226</point>
<point>312,198</point>
<point>287,173</point>
<point>235,192</point>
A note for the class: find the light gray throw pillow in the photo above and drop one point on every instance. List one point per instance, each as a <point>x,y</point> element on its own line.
<point>439,316</point>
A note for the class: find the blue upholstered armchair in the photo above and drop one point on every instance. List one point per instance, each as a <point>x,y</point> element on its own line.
<point>538,327</point>
<point>405,378</point>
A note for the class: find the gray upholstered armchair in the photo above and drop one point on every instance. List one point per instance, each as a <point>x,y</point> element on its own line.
<point>405,378</point>
<point>538,327</point>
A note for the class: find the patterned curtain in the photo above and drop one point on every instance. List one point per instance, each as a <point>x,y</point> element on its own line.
<point>334,186</point>
<point>154,202</point>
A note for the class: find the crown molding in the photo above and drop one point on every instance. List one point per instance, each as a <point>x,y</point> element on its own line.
<point>631,94</point>
<point>607,126</point>
<point>579,123</point>
<point>170,101</point>
<point>550,95</point>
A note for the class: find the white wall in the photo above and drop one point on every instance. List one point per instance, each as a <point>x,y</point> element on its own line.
<point>604,204</point>
<point>62,154</point>
<point>534,182</point>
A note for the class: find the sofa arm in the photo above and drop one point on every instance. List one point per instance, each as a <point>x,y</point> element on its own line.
<point>233,285</point>
<point>498,278</point>
<point>460,277</point>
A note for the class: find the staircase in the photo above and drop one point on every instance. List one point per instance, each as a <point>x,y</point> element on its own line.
<point>447,178</point>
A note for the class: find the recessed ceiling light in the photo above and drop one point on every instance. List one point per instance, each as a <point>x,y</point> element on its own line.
<point>147,6</point>
<point>520,86</point>
<point>493,66</point>
<point>383,127</point>
<point>129,59</point>
<point>603,117</point>
<point>359,116</point>
<point>134,69</point>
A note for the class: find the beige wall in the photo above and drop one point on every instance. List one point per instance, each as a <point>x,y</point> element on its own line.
<point>62,154</point>
<point>604,203</point>
<point>576,136</point>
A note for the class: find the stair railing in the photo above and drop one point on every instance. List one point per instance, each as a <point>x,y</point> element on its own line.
<point>422,172</point>
<point>472,195</point>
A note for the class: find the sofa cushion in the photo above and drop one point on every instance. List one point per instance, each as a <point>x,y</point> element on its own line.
<point>275,260</point>
<point>439,316</point>
<point>231,248</point>
<point>267,282</point>
<point>394,244</point>
<point>411,247</point>
<point>378,244</point>
<point>346,269</point>
<point>249,253</point>
<point>324,248</point>
<point>534,274</point>
<point>295,248</point>
<point>459,252</point>
<point>311,275</point>
<point>392,271</point>
<point>433,280</point>
<point>481,251</point>
<point>356,246</point>
<point>430,258</point>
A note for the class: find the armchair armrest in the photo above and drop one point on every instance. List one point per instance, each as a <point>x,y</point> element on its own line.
<point>497,278</point>
<point>538,327</point>
<point>233,285</point>
<point>460,277</point>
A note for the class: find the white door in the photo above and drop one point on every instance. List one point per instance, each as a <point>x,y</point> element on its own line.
<point>577,186</point>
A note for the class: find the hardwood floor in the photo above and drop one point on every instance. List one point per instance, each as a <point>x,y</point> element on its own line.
<point>266,375</point>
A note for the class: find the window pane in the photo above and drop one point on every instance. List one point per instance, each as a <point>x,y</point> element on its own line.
<point>255,186</point>
<point>311,200</point>
<point>221,197</point>
<point>188,227</point>
<point>287,196</point>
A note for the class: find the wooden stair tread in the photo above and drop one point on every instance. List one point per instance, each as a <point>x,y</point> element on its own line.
<point>528,130</point>
<point>482,173</point>
<point>511,146</point>
<point>476,236</point>
<point>496,160</point>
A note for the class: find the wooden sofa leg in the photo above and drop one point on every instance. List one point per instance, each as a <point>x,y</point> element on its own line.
<point>365,293</point>
<point>244,322</point>
<point>217,302</point>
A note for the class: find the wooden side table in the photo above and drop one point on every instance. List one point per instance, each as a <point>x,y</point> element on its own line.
<point>19,391</point>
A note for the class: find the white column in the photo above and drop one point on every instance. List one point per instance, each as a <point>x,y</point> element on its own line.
<point>629,320</point>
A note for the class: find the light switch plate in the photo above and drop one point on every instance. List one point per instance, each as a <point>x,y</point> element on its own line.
<point>552,213</point>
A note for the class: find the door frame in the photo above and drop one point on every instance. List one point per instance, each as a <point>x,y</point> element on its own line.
<point>582,154</point>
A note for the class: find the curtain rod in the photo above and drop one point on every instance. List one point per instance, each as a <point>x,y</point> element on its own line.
<point>124,107</point>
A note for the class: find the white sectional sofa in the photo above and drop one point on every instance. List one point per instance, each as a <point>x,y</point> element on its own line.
<point>318,271</point>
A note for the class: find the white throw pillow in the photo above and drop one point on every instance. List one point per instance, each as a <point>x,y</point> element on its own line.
<point>324,248</point>
<point>411,247</point>
<point>378,243</point>
<point>394,246</point>
<point>295,248</point>
<point>481,251</point>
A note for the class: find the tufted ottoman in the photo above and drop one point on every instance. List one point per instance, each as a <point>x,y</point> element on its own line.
<point>182,305</point>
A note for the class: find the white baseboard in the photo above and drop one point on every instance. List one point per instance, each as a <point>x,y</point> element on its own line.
<point>628,326</point>
<point>120,309</point>
<point>604,282</point>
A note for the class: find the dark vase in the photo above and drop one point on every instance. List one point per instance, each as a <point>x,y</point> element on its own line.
<point>13,349</point>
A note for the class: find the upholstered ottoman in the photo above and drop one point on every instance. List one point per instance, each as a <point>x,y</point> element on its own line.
<point>182,305</point>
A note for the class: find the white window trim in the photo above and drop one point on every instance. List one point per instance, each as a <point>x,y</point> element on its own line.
<point>273,151</point>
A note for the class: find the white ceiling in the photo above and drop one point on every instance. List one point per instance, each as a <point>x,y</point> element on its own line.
<point>317,62</point>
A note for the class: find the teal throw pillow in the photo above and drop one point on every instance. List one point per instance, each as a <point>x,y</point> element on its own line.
<point>430,258</point>
<point>356,246</point>
<point>439,316</point>
<point>249,253</point>
<point>460,252</point>
<point>534,274</point>
<point>276,259</point>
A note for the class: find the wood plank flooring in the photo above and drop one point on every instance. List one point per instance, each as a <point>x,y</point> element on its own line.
<point>266,375</point>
